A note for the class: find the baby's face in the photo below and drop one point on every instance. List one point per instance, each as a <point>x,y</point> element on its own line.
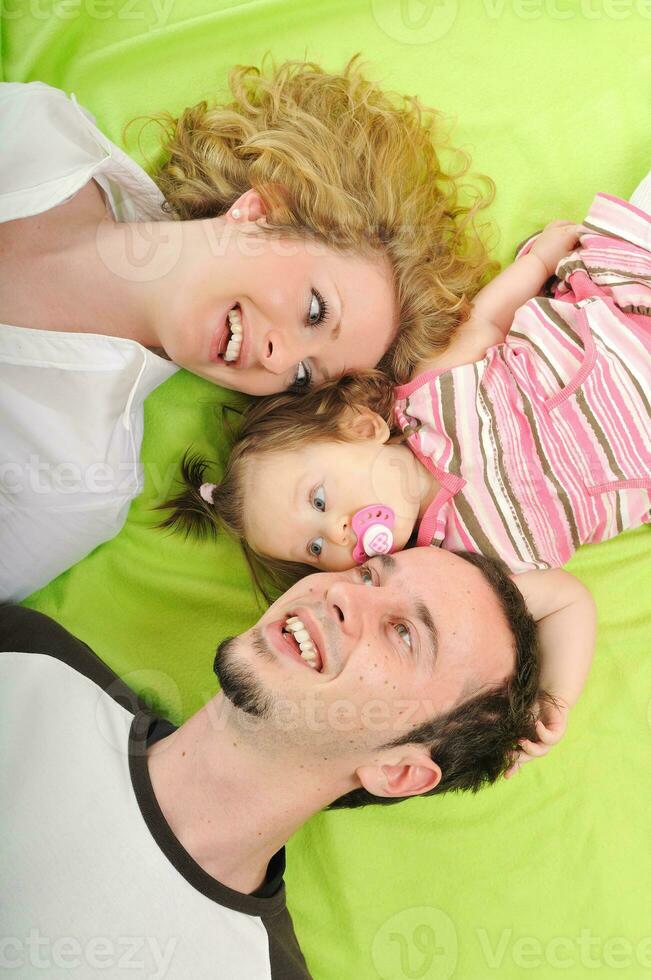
<point>299,505</point>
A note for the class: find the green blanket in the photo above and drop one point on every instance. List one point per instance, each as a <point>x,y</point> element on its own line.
<point>545,875</point>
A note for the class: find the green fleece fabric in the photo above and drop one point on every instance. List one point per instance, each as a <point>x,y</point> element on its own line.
<point>548,874</point>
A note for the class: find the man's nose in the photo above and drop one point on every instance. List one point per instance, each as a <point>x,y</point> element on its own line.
<point>354,606</point>
<point>344,605</point>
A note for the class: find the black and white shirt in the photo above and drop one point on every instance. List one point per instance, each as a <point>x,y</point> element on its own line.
<point>94,882</point>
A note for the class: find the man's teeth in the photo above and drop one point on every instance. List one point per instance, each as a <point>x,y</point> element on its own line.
<point>233,350</point>
<point>302,637</point>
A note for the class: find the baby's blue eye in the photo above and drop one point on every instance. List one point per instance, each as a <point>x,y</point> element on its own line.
<point>315,547</point>
<point>318,499</point>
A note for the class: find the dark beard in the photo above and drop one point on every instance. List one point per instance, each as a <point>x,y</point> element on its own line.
<point>238,681</point>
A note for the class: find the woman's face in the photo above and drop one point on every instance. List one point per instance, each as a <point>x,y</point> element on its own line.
<point>303,312</point>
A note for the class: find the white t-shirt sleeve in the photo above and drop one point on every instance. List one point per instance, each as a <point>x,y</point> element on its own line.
<point>51,148</point>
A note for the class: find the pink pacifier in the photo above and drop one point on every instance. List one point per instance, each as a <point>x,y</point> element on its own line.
<point>372,525</point>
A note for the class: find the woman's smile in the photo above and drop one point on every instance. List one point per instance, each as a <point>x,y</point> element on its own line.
<point>231,342</point>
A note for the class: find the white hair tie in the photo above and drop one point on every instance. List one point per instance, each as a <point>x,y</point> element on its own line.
<point>207,491</point>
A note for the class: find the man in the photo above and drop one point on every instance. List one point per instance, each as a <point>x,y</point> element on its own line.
<point>131,844</point>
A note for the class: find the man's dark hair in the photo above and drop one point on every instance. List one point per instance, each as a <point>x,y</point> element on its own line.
<point>475,741</point>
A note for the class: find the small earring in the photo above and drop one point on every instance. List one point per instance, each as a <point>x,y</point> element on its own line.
<point>235,214</point>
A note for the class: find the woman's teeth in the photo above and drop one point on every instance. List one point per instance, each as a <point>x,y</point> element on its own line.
<point>232,352</point>
<point>302,637</point>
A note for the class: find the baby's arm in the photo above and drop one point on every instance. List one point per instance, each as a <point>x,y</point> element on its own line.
<point>566,616</point>
<point>494,306</point>
<point>524,278</point>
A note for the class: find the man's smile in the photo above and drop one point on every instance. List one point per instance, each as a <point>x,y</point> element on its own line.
<point>299,635</point>
<point>283,637</point>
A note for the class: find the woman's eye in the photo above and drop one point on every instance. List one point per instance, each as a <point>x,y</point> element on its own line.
<point>366,575</point>
<point>302,378</point>
<point>315,547</point>
<point>318,309</point>
<point>318,499</point>
<point>404,633</point>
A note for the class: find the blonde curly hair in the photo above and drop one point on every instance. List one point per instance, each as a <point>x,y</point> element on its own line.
<point>334,156</point>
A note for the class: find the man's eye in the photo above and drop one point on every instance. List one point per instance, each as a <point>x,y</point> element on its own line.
<point>366,575</point>
<point>404,633</point>
<point>318,309</point>
<point>302,378</point>
<point>318,499</point>
<point>315,547</point>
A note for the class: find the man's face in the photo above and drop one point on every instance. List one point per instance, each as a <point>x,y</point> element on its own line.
<point>386,647</point>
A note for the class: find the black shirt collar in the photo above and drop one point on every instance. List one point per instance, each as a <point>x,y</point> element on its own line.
<point>267,900</point>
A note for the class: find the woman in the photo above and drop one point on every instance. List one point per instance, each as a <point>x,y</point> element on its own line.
<point>325,238</point>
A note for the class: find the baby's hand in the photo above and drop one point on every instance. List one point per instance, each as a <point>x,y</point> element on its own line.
<point>555,242</point>
<point>550,728</point>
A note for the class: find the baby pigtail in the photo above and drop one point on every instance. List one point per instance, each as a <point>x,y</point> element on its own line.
<point>193,510</point>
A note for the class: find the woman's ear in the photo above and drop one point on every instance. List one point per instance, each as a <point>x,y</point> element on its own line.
<point>366,424</point>
<point>248,207</point>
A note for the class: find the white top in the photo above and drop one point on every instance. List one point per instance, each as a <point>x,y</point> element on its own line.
<point>71,404</point>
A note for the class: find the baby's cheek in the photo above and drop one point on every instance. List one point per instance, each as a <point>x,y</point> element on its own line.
<point>340,561</point>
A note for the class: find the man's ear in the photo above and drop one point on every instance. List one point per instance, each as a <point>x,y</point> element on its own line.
<point>366,424</point>
<point>411,775</point>
<point>250,206</point>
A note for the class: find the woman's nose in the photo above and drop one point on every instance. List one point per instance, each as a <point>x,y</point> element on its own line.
<point>278,354</point>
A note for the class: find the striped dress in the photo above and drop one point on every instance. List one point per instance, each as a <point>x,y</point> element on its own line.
<point>545,444</point>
